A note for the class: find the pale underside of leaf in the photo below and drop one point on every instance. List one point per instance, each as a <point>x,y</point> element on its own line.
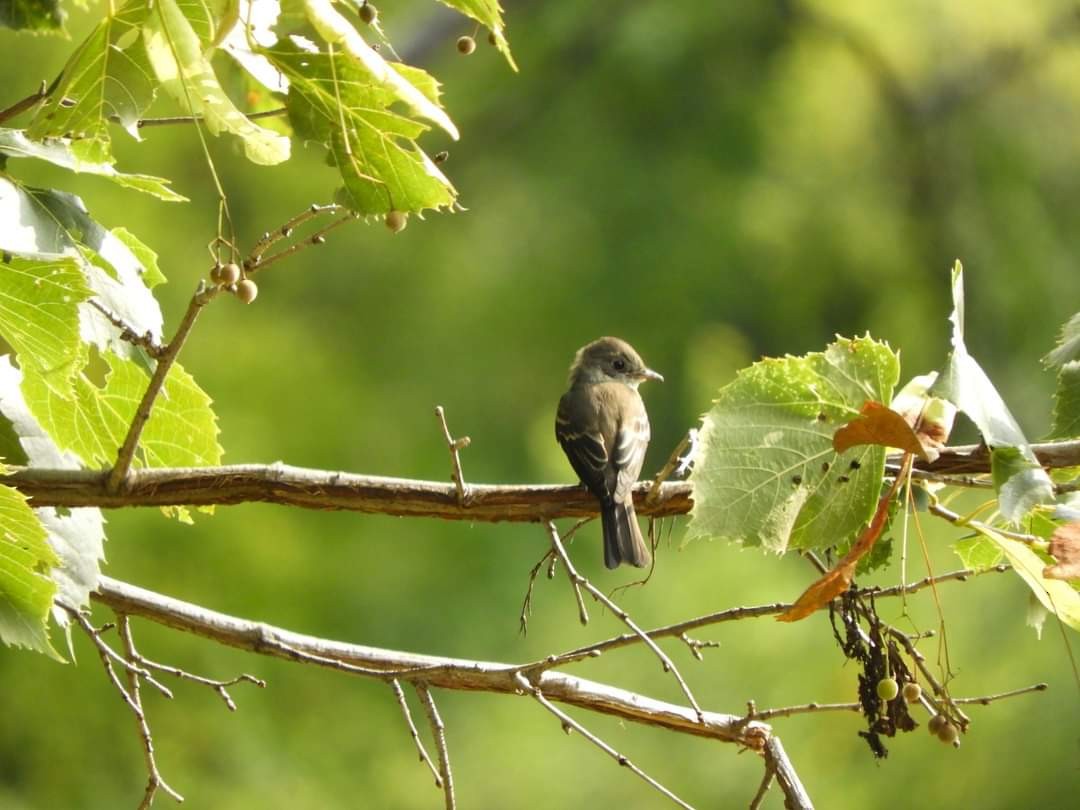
<point>176,55</point>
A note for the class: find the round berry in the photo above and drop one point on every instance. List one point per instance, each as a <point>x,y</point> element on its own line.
<point>492,39</point>
<point>247,290</point>
<point>230,273</point>
<point>887,688</point>
<point>396,221</point>
<point>215,273</point>
<point>948,733</point>
<point>936,723</point>
<point>466,45</point>
<point>368,13</point>
<point>912,692</point>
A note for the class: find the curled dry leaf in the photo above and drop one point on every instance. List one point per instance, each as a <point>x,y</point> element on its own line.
<point>1065,548</point>
<point>877,424</point>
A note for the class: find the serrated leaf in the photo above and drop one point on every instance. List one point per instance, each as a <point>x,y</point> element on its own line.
<point>26,591</point>
<point>176,55</point>
<point>966,385</point>
<point>766,473</point>
<point>489,14</point>
<point>32,15</point>
<point>336,30</point>
<point>1066,418</point>
<point>106,79</point>
<point>49,225</point>
<point>181,432</point>
<point>1068,348</point>
<point>1056,596</point>
<point>76,535</point>
<point>335,100</point>
<point>39,316</point>
<point>978,552</point>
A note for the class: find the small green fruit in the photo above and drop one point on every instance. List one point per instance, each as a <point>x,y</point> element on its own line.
<point>230,273</point>
<point>948,733</point>
<point>887,688</point>
<point>368,13</point>
<point>466,45</point>
<point>937,722</point>
<point>912,692</point>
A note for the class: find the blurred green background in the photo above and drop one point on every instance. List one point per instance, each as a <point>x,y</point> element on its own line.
<point>713,182</point>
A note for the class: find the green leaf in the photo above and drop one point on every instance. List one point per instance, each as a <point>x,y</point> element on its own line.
<point>107,79</point>
<point>335,30</point>
<point>62,152</point>
<point>76,535</point>
<point>978,552</point>
<point>1068,348</point>
<point>144,255</point>
<point>337,101</point>
<point>1021,483</point>
<point>176,54</point>
<point>766,473</point>
<point>39,316</point>
<point>181,432</point>
<point>1056,596</point>
<point>26,591</point>
<point>32,15</point>
<point>51,225</point>
<point>488,13</point>
<point>1066,424</point>
<point>966,385</point>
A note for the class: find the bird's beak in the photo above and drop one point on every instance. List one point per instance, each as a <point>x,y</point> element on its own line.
<point>649,374</point>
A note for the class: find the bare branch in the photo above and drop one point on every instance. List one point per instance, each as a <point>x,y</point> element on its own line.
<point>399,693</point>
<point>438,732</point>
<point>560,553</point>
<point>145,341</point>
<point>124,457</point>
<point>326,490</point>
<point>438,672</point>
<point>795,795</point>
<point>986,700</point>
<point>259,264</point>
<point>763,788</point>
<point>455,446</point>
<point>603,599</point>
<point>284,231</point>
<point>569,722</point>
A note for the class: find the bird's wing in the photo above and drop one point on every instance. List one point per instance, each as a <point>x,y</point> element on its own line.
<point>586,450</point>
<point>631,442</point>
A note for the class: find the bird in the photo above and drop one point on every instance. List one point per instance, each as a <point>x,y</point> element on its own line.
<point>603,428</point>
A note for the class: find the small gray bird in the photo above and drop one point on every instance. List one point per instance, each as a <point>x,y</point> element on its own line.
<point>604,430</point>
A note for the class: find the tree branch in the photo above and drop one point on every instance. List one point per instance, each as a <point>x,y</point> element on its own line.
<point>434,671</point>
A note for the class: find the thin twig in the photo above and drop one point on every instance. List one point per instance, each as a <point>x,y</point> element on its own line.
<point>316,238</point>
<point>986,700</point>
<point>568,722</point>
<point>560,553</point>
<point>674,460</point>
<point>455,446</point>
<point>602,598</point>
<point>284,231</point>
<point>124,457</point>
<point>103,649</point>
<point>25,103</point>
<point>132,697</point>
<point>145,341</point>
<point>979,526</point>
<point>171,120</point>
<point>438,732</point>
<point>399,693</point>
<point>763,788</point>
<point>220,687</point>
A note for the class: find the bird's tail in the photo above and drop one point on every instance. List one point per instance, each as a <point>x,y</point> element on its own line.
<point>623,542</point>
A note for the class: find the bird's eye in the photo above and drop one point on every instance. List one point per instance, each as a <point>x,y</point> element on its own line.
<point>619,364</point>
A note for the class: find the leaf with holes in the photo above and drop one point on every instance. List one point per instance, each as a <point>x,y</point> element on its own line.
<point>39,316</point>
<point>766,472</point>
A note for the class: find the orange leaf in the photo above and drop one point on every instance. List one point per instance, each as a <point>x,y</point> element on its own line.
<point>877,424</point>
<point>835,582</point>
<point>1065,548</point>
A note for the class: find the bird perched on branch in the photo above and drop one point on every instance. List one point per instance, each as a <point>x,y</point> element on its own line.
<point>603,428</point>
